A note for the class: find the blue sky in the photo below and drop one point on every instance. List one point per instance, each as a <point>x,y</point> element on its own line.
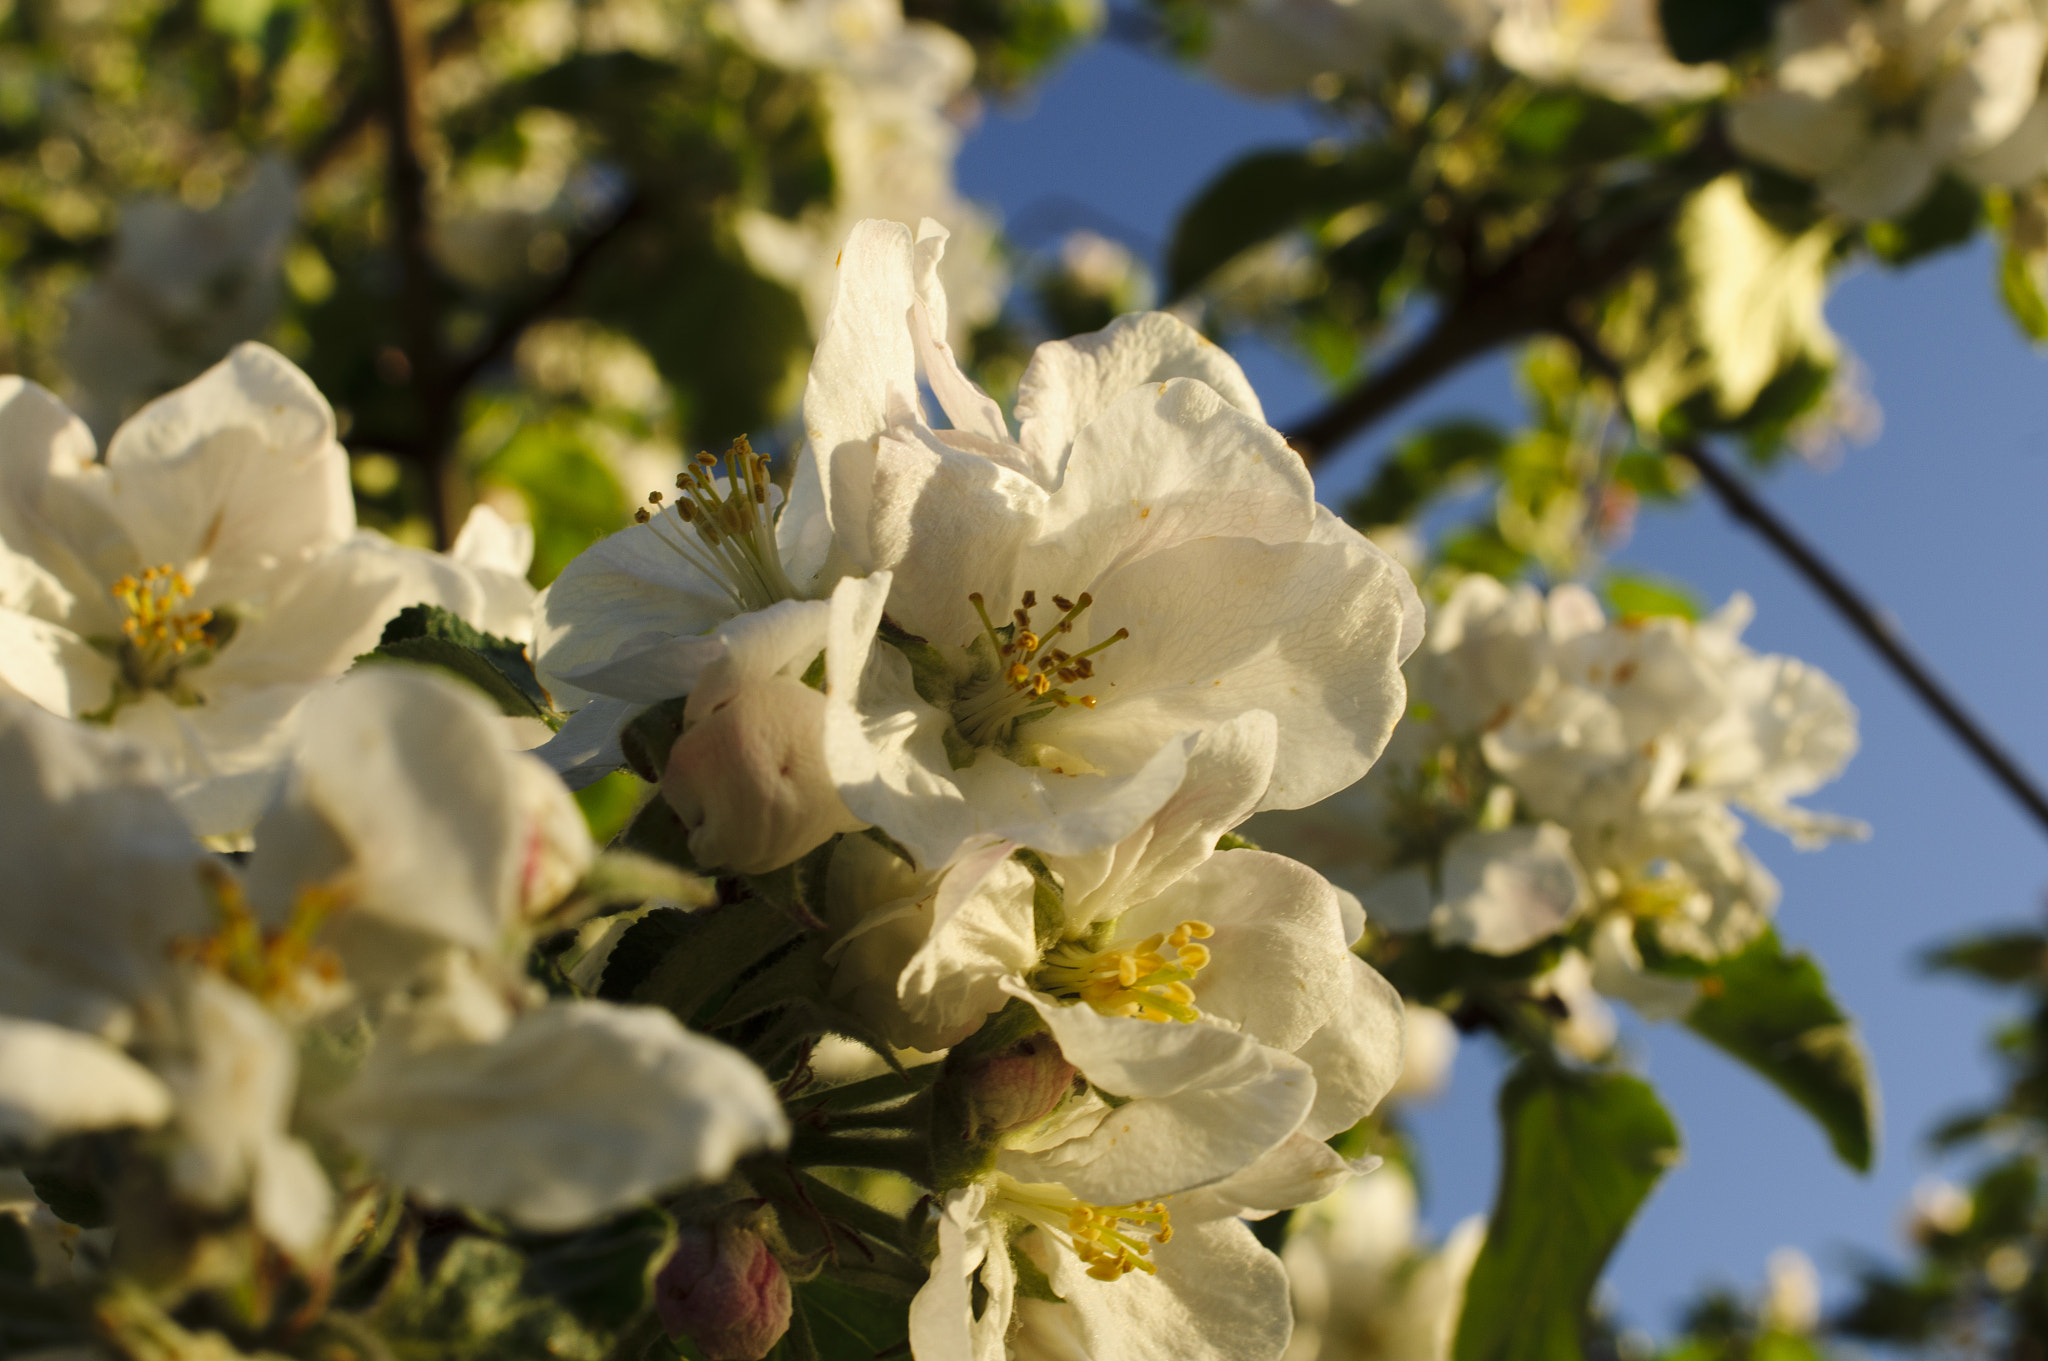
<point>1939,519</point>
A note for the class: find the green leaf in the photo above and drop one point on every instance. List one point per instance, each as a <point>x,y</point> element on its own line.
<point>1423,465</point>
<point>604,1274</point>
<point>609,804</point>
<point>72,1197</point>
<point>429,635</point>
<point>848,1323</point>
<point>1699,31</point>
<point>2000,957</point>
<point>1639,597</point>
<point>1772,1011</point>
<point>1948,216</point>
<point>1580,1154</point>
<point>1268,192</point>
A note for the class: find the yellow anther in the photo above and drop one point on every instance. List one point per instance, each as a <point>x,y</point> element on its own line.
<point>1029,683</point>
<point>273,965</point>
<point>1110,1240</point>
<point>1132,977</point>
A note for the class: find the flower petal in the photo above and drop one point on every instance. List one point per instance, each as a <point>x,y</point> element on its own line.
<point>56,1081</point>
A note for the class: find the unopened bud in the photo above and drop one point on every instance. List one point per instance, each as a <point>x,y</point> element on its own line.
<point>1018,1086</point>
<point>724,1291</point>
<point>749,780</point>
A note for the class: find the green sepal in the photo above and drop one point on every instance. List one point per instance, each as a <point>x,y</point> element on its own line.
<point>960,753</point>
<point>428,635</point>
<point>658,833</point>
<point>472,1306</point>
<point>1048,903</point>
<point>1580,1153</point>
<point>930,675</point>
<point>650,735</point>
<point>1772,1011</point>
<point>626,878</point>
<point>1231,841</point>
<point>1032,1282</point>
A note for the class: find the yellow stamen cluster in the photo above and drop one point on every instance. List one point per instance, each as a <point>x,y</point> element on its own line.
<point>727,531</point>
<point>1110,1240</point>
<point>154,625</point>
<point>273,965</point>
<point>1132,977</point>
<point>1034,673</point>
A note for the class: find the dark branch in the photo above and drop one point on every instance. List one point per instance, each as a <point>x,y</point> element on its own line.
<point>402,57</point>
<point>509,327</point>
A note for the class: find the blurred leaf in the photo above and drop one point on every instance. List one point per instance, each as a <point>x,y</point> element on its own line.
<point>1736,303</point>
<point>572,497</point>
<point>1772,1011</point>
<point>429,635</point>
<point>1699,31</point>
<point>1639,597</point>
<point>2019,284</point>
<point>1265,194</point>
<point>1948,216</point>
<point>1654,477</point>
<point>1423,465</point>
<point>1999,957</point>
<point>609,804</point>
<point>473,1307</point>
<point>1580,1153</point>
<point>2003,1202</point>
<point>604,1274</point>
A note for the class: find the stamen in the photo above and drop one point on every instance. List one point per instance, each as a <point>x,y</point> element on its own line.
<point>273,965</point>
<point>726,532</point>
<point>1110,1240</point>
<point>1024,688</point>
<point>1131,977</point>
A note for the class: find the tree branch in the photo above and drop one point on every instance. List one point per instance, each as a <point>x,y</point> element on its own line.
<point>402,56</point>
<point>509,327</point>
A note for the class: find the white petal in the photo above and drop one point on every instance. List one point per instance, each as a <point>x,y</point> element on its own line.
<point>232,475</point>
<point>52,666</point>
<point>102,873</point>
<point>1071,382</point>
<point>586,748</point>
<point>1219,1296</point>
<point>943,1326</point>
<point>966,406</point>
<point>405,768</point>
<point>1163,465</point>
<point>864,375</point>
<point>580,1110</point>
<point>54,503</point>
<point>55,1081</point>
<point>1505,890</point>
<point>1356,1058</point>
<point>621,595</point>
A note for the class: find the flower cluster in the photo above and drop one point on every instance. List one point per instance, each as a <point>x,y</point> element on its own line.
<point>1567,776</point>
<point>957,719</point>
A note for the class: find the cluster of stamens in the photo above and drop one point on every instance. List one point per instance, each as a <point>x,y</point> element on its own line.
<point>1109,1239</point>
<point>1033,672</point>
<point>154,628</point>
<point>273,965</point>
<point>1132,977</point>
<point>724,525</point>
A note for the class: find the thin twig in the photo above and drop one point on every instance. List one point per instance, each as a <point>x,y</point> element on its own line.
<point>1735,496</point>
<point>1738,500</point>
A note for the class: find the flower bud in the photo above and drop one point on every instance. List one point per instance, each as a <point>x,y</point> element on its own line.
<point>725,1292</point>
<point>749,780</point>
<point>1018,1086</point>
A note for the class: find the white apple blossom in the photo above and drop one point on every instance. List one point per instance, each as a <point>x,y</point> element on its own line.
<point>635,619</point>
<point>1874,101</point>
<point>183,287</point>
<point>397,885</point>
<point>1366,1286</point>
<point>1613,47</point>
<point>1559,765</point>
<point>195,585</point>
<point>889,88</point>
<point>1187,576</point>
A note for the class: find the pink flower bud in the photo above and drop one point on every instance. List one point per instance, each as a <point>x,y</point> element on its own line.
<point>725,1292</point>
<point>749,781</point>
<point>1018,1086</point>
